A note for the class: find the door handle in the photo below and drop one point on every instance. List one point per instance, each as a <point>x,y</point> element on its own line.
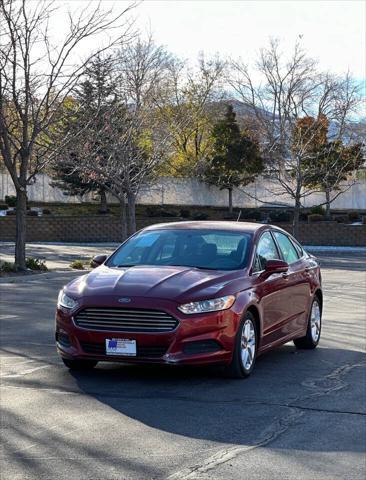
<point>307,269</point>
<point>285,276</point>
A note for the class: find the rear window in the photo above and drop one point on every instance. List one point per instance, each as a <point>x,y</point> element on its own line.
<point>209,249</point>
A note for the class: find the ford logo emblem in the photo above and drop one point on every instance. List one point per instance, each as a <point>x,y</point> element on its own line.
<point>124,300</point>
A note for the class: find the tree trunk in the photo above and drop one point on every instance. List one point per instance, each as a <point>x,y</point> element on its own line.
<point>21,227</point>
<point>327,205</point>
<point>230,200</point>
<point>295,222</point>
<point>131,213</point>
<point>122,204</point>
<point>103,201</point>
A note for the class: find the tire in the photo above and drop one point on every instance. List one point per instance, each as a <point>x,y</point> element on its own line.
<point>79,365</point>
<point>313,330</point>
<point>243,360</point>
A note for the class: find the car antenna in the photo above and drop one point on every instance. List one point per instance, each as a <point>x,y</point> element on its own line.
<point>239,216</point>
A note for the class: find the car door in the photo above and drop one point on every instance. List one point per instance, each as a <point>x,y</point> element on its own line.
<point>298,290</point>
<point>269,290</point>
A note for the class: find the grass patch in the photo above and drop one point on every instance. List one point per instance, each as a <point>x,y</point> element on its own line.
<point>36,264</point>
<point>78,265</point>
<point>7,267</point>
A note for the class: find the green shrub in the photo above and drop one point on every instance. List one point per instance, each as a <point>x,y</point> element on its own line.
<point>254,215</point>
<point>7,267</point>
<point>160,212</point>
<point>11,200</point>
<point>315,217</point>
<point>341,218</point>
<point>46,211</point>
<point>3,206</point>
<point>77,265</point>
<point>280,216</point>
<point>35,264</point>
<point>229,216</point>
<point>303,216</point>
<point>354,216</point>
<point>185,213</point>
<point>200,216</point>
<point>318,210</point>
<point>153,211</point>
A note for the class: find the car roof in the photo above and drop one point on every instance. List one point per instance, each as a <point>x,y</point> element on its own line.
<point>247,227</point>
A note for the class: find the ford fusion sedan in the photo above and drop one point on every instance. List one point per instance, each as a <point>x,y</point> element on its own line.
<point>193,293</point>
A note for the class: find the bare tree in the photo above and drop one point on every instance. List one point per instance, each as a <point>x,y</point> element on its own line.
<point>142,68</point>
<point>122,147</point>
<point>37,75</point>
<point>188,107</point>
<point>279,94</point>
<point>329,165</point>
<point>134,152</point>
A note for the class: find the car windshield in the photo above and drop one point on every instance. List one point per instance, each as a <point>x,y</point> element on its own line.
<point>207,249</point>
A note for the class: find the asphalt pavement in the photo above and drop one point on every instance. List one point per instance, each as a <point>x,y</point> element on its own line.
<point>301,415</point>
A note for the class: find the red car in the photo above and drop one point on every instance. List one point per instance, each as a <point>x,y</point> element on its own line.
<point>193,293</point>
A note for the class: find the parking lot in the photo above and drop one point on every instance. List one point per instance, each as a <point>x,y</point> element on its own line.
<point>300,416</point>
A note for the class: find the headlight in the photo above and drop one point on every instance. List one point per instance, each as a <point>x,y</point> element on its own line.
<point>66,301</point>
<point>212,305</point>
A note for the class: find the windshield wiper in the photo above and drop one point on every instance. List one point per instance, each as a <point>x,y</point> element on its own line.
<point>193,266</point>
<point>175,265</point>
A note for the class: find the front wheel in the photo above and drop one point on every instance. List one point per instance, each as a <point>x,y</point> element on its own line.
<point>245,351</point>
<point>312,337</point>
<point>79,365</point>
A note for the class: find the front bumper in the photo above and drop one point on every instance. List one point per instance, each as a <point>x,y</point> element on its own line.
<point>199,339</point>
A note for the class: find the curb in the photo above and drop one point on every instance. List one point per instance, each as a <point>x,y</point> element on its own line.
<point>334,249</point>
<point>24,278</point>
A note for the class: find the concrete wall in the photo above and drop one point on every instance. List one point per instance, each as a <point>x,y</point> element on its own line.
<point>106,228</point>
<point>189,191</point>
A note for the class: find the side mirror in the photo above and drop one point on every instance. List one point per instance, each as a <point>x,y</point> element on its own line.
<point>275,266</point>
<point>98,260</point>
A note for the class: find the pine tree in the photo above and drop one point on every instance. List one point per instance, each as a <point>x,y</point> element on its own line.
<point>92,101</point>
<point>236,158</point>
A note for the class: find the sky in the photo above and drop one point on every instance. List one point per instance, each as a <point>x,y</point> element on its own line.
<point>331,31</point>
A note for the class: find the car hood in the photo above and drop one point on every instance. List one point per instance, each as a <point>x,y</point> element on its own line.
<point>167,282</point>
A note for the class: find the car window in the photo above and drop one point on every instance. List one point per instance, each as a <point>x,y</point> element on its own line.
<point>266,250</point>
<point>289,252</point>
<point>298,247</point>
<point>211,249</point>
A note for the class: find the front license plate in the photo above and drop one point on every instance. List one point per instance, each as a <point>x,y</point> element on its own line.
<point>120,346</point>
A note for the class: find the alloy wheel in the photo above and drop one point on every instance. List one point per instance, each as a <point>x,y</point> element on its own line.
<point>315,321</point>
<point>248,344</point>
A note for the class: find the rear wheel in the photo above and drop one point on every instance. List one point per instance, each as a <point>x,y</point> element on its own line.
<point>79,365</point>
<point>312,337</point>
<point>245,352</point>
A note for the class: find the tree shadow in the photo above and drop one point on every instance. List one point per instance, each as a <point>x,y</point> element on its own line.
<point>201,403</point>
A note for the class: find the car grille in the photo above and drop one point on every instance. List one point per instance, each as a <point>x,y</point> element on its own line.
<point>151,351</point>
<point>125,320</point>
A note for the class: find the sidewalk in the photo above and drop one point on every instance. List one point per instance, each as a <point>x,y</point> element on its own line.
<point>58,256</point>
